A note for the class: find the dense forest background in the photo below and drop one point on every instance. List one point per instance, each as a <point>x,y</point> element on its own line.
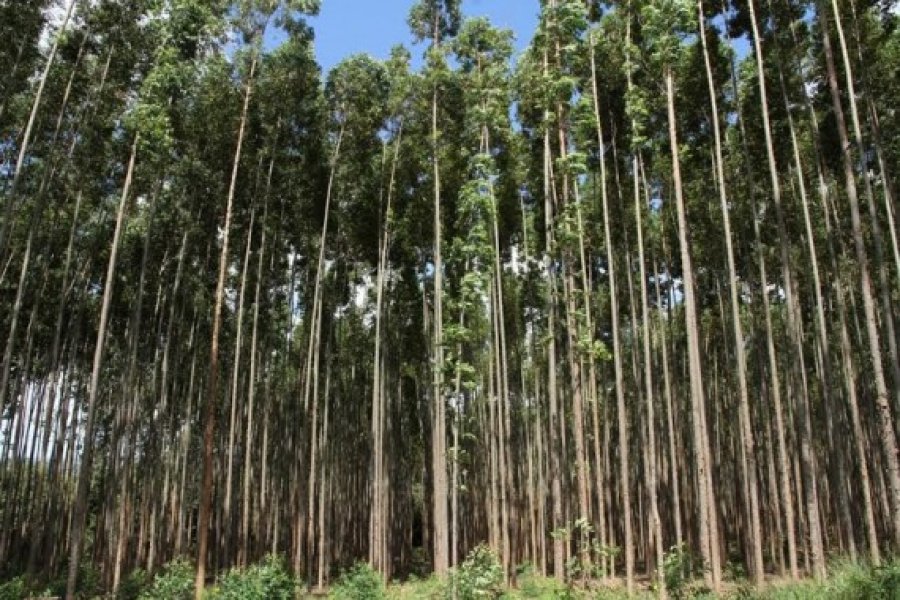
<point>632,290</point>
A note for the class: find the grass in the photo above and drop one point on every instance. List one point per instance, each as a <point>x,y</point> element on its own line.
<point>846,581</point>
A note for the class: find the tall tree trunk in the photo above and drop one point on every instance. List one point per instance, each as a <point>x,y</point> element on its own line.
<point>552,450</point>
<point>243,556</point>
<point>439,409</point>
<point>621,410</point>
<point>379,526</point>
<point>209,408</point>
<point>887,436</point>
<point>709,538</point>
<point>227,537</point>
<point>9,208</point>
<point>884,288</point>
<point>85,470</point>
<point>747,440</point>
<point>810,484</point>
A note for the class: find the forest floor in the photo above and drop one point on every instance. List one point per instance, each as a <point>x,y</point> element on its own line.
<point>846,581</point>
<point>268,580</point>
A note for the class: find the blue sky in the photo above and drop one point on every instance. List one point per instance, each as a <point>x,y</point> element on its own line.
<point>346,27</point>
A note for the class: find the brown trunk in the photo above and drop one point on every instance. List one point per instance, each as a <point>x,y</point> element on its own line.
<point>79,515</point>
<point>887,436</point>
<point>209,408</point>
<point>709,542</point>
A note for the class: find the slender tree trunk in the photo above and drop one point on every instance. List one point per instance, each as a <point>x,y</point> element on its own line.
<point>552,450</point>
<point>85,469</point>
<point>8,209</point>
<point>881,270</point>
<point>747,441</point>
<point>439,411</point>
<point>650,399</point>
<point>378,541</point>
<point>244,553</point>
<point>887,436</point>
<point>709,539</point>
<point>227,538</point>
<point>209,409</point>
<point>624,460</point>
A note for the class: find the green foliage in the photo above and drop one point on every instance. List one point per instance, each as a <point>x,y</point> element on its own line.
<point>430,588</point>
<point>434,18</point>
<point>533,585</point>
<point>679,569</point>
<point>134,585</point>
<point>357,89</point>
<point>90,582</point>
<point>361,582</point>
<point>848,581</point>
<point>268,580</point>
<point>13,590</point>
<point>174,582</point>
<point>479,576</point>
<point>665,22</point>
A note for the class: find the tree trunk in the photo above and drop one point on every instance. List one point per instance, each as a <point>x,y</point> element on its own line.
<point>9,208</point>
<point>709,539</point>
<point>85,469</point>
<point>209,409</point>
<point>887,436</point>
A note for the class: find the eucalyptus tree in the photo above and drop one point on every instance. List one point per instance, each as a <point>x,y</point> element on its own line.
<point>810,484</point>
<point>9,205</point>
<point>566,23</point>
<point>484,53</point>
<point>147,126</point>
<point>595,46</point>
<point>397,106</point>
<point>747,436</point>
<point>357,92</point>
<point>437,21</point>
<point>22,23</point>
<point>253,18</point>
<point>410,254</point>
<point>887,434</point>
<point>534,97</point>
<point>662,22</point>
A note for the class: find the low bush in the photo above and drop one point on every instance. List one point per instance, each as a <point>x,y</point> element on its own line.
<point>14,589</point>
<point>479,576</point>
<point>361,582</point>
<point>415,588</point>
<point>134,585</point>
<point>174,582</point>
<point>268,580</point>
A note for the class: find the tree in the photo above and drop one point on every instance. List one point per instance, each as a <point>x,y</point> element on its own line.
<point>437,20</point>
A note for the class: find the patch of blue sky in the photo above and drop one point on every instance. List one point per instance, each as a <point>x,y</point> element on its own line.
<point>347,27</point>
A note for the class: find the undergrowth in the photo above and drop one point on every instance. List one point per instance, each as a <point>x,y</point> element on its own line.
<point>479,577</point>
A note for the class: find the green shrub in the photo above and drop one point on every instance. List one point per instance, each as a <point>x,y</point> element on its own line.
<point>675,571</point>
<point>680,571</point>
<point>174,582</point>
<point>268,580</point>
<point>415,588</point>
<point>361,582</point>
<point>479,576</point>
<point>861,582</point>
<point>134,585</point>
<point>846,581</point>
<point>531,584</point>
<point>13,589</point>
<point>88,585</point>
<point>420,563</point>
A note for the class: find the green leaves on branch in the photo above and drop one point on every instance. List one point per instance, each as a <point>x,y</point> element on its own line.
<point>435,19</point>
<point>358,88</point>
<point>665,25</point>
